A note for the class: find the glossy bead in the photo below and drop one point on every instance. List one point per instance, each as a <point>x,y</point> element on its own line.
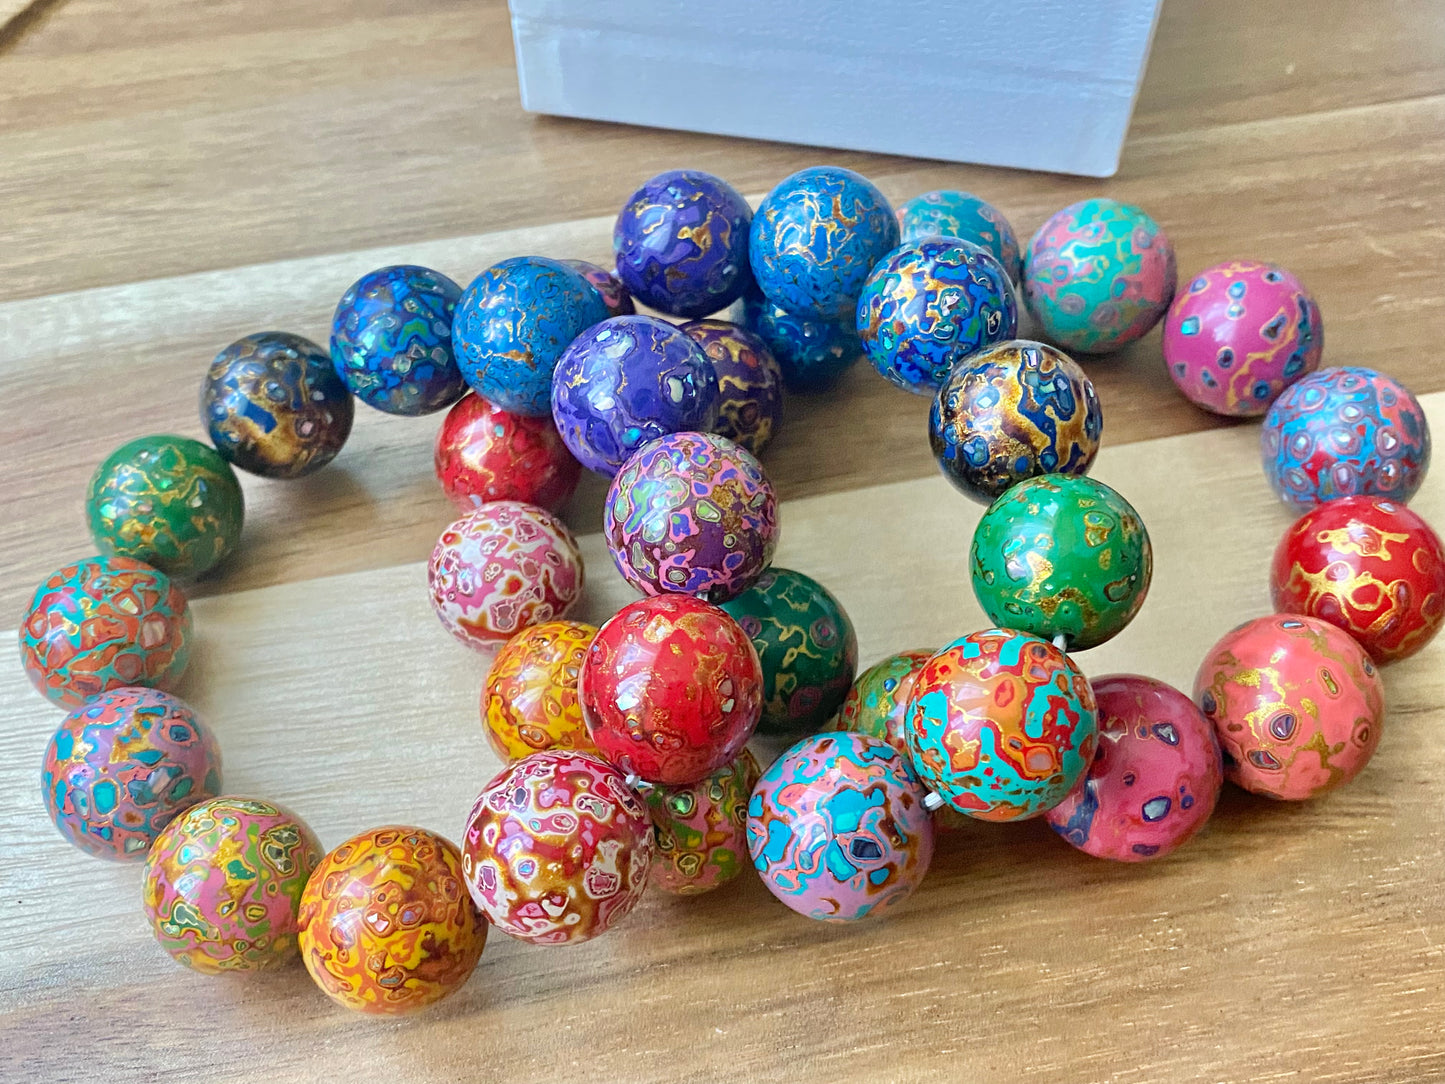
<point>386,925</point>
<point>1369,566</point>
<point>1098,275</point>
<point>484,453</point>
<point>681,242</point>
<point>1342,433</point>
<point>273,405</point>
<point>750,384</point>
<point>629,380</point>
<point>101,624</point>
<point>946,213</point>
<point>614,294</point>
<point>837,828</point>
<point>512,325</point>
<point>877,701</point>
<point>671,689</point>
<point>1015,411</point>
<point>1297,705</point>
<point>1239,334</point>
<point>691,513</point>
<point>391,340</point>
<point>812,353</point>
<point>529,703</point>
<point>816,236</point>
<point>556,848</point>
<point>121,766</point>
<point>502,568</point>
<point>1154,779</point>
<point>1062,555</point>
<point>700,830</point>
<point>807,647</point>
<point>1001,725</point>
<point>223,884</point>
<point>171,502</point>
<point>930,304</point>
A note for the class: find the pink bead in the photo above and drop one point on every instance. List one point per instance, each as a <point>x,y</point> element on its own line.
<point>505,567</point>
<point>1155,775</point>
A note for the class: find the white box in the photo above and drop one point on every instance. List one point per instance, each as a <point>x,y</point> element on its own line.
<point>1037,84</point>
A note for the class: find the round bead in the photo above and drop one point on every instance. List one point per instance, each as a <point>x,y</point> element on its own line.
<point>512,325</point>
<point>1239,334</point>
<point>120,767</point>
<point>1015,411</point>
<point>1155,776</point>
<point>1061,555</point>
<point>807,647</point>
<point>1297,705</point>
<point>614,294</point>
<point>930,304</point>
<point>557,848</point>
<point>877,702</point>
<point>1368,566</point>
<point>815,238</point>
<point>386,925</point>
<point>812,354</point>
<point>691,513</point>
<point>171,502</point>
<point>484,453</point>
<point>750,384</point>
<point>529,703</point>
<point>837,828</point>
<point>1342,433</point>
<point>1098,275</point>
<point>1001,725</point>
<point>223,884</point>
<point>681,242</point>
<point>962,215</point>
<point>502,568</point>
<point>671,689</point>
<point>629,380</point>
<point>101,624</point>
<point>391,340</point>
<point>273,405</point>
<point>700,830</point>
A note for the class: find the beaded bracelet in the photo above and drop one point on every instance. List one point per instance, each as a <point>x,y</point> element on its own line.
<point>626,744</point>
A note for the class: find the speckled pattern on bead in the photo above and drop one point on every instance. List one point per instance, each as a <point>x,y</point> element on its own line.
<point>484,453</point>
<point>700,830</point>
<point>812,353</point>
<point>945,213</point>
<point>529,702</point>
<point>750,383</point>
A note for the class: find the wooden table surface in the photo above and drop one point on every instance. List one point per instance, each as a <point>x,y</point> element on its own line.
<point>176,174</point>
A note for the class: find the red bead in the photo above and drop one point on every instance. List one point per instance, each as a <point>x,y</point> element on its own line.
<point>485,453</point>
<point>1366,565</point>
<point>671,689</point>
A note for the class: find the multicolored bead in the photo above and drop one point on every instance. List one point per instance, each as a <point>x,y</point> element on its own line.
<point>930,304</point>
<point>1371,567</point>
<point>274,406</point>
<point>614,294</point>
<point>101,624</point>
<point>1297,705</point>
<point>1342,433</point>
<point>1015,411</point>
<point>386,926</point>
<point>1239,335</point>
<point>877,702</point>
<point>484,453</point>
<point>946,213</point>
<point>691,513</point>
<point>391,340</point>
<point>122,766</point>
<point>171,502</point>
<point>700,830</point>
<point>750,384</point>
<point>556,848</point>
<point>812,353</point>
<point>807,647</point>
<point>223,884</point>
<point>681,242</point>
<point>529,703</point>
<point>837,828</point>
<point>1155,776</point>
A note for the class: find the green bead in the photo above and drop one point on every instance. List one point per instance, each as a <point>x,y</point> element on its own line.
<point>171,502</point>
<point>1058,554</point>
<point>807,646</point>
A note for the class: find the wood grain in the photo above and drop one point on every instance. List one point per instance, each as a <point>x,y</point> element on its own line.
<point>1301,941</point>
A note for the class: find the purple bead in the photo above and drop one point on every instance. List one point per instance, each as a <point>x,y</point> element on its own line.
<point>628,380</point>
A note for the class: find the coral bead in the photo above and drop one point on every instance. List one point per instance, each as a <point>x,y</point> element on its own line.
<point>484,453</point>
